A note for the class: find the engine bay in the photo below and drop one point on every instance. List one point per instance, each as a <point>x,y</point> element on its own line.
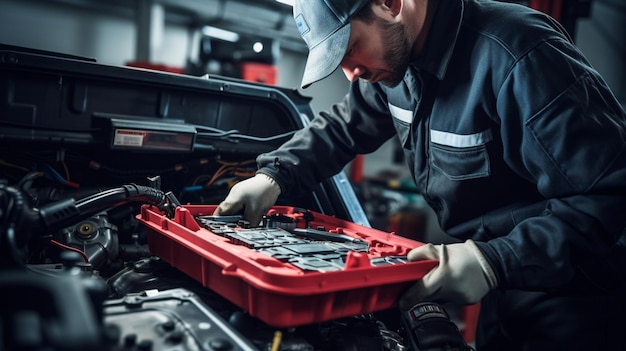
<point>79,271</point>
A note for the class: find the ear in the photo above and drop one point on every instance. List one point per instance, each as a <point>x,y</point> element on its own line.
<point>394,6</point>
<point>387,9</point>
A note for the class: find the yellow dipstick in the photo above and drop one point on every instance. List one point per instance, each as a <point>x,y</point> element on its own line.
<point>278,335</point>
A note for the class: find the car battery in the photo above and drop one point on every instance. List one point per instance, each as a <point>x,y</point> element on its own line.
<point>298,267</point>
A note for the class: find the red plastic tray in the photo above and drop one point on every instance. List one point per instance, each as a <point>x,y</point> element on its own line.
<point>279,293</point>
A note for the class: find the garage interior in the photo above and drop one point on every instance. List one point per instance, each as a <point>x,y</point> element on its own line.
<point>257,41</point>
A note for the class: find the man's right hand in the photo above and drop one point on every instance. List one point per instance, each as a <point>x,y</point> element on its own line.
<point>255,196</point>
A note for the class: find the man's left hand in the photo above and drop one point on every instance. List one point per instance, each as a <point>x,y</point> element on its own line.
<point>463,275</point>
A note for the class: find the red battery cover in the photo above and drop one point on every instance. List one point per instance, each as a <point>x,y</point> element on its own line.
<point>277,292</point>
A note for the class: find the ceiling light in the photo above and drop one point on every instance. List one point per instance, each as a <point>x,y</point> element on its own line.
<point>286,2</point>
<point>257,47</point>
<point>220,34</point>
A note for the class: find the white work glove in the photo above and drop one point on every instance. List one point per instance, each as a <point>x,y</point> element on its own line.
<point>463,275</point>
<point>255,196</point>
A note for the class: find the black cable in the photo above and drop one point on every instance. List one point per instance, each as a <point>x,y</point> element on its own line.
<point>236,135</point>
<point>11,214</point>
<point>62,213</point>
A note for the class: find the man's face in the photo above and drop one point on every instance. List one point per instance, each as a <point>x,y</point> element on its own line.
<point>377,52</point>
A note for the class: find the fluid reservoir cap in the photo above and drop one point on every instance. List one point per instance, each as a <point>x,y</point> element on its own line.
<point>85,229</point>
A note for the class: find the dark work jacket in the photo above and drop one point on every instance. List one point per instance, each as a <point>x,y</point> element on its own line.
<point>511,136</point>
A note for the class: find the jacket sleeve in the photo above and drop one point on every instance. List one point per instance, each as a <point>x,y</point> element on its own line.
<point>359,124</point>
<point>565,131</point>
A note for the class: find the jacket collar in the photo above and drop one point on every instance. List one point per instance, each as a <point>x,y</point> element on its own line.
<point>442,38</point>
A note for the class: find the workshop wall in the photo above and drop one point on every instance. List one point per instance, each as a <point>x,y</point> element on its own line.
<point>111,39</point>
<point>602,38</point>
<point>69,29</point>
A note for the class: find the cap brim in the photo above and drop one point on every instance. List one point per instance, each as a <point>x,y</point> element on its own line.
<point>324,58</point>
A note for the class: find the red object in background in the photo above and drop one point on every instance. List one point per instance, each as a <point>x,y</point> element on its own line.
<point>554,8</point>
<point>155,66</point>
<point>356,169</point>
<point>470,320</point>
<point>277,292</point>
<point>259,72</point>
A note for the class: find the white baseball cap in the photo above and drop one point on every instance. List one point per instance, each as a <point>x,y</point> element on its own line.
<point>325,27</point>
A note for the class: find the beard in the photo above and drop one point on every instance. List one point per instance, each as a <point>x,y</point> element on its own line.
<point>397,53</point>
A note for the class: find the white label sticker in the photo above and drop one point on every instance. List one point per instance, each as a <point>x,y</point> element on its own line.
<point>127,137</point>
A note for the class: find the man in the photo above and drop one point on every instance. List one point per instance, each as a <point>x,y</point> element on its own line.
<point>512,138</point>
